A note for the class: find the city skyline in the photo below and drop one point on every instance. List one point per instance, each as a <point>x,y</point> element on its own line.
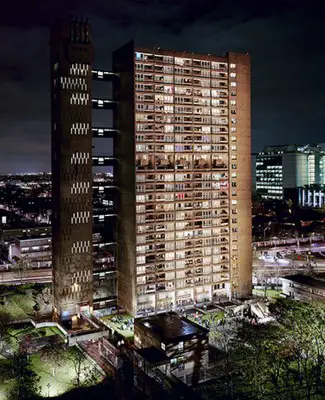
<point>277,37</point>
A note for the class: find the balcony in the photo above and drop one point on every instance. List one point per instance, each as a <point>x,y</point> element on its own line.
<point>104,104</point>
<point>98,75</point>
<point>104,132</point>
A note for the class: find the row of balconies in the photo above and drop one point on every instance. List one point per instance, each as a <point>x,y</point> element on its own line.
<point>183,129</point>
<point>180,139</point>
<point>208,149</point>
<point>201,183</point>
<point>170,216</point>
<point>181,267</point>
<point>143,96</point>
<point>147,116</point>
<point>148,162</point>
<point>168,109</point>
<point>170,286</point>
<point>186,212</point>
<point>180,255</point>
<point>177,61</point>
<point>182,177</point>
<point>169,227</point>
<point>208,83</point>
<point>183,188</point>
<point>190,252</point>
<point>186,244</point>
<point>176,89</point>
<point>181,197</point>
<point>192,235</point>
<point>189,67</point>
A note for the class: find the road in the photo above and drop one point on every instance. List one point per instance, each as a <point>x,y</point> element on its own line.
<point>43,275</point>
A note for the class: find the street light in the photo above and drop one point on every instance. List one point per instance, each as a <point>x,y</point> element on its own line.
<point>48,389</point>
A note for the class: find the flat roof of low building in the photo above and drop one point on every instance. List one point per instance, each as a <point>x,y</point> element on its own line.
<point>306,280</point>
<point>152,355</point>
<point>170,327</point>
<point>36,237</point>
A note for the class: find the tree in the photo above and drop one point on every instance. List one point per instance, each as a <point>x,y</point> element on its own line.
<point>5,320</point>
<point>22,266</point>
<point>26,381</point>
<point>53,353</point>
<point>85,374</point>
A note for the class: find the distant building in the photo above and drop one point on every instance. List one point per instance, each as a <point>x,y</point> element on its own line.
<point>36,250</point>
<point>302,287</point>
<point>312,196</point>
<point>281,170</point>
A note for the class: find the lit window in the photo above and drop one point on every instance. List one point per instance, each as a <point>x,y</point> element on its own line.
<point>233,84</point>
<point>233,202</point>
<point>233,75</point>
<point>233,138</point>
<point>233,102</point>
<point>232,66</point>
<point>233,129</point>
<point>233,120</point>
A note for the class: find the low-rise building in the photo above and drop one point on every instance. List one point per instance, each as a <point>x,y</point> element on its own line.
<point>303,287</point>
<point>37,250</point>
<point>170,347</point>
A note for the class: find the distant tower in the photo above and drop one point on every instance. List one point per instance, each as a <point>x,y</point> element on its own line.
<point>71,120</point>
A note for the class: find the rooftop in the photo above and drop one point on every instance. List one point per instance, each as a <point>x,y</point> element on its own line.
<point>306,280</point>
<point>170,327</point>
<point>152,355</point>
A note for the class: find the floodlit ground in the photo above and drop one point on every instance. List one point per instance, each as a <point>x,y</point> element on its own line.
<point>14,307</point>
<point>20,301</point>
<point>50,385</point>
<point>120,323</point>
<point>28,330</point>
<point>269,293</point>
<point>64,375</point>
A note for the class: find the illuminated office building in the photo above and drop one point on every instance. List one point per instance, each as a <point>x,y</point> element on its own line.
<point>281,170</point>
<point>184,175</point>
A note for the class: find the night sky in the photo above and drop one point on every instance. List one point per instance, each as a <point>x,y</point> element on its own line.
<point>285,38</point>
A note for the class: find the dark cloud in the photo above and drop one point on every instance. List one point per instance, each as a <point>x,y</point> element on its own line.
<point>285,39</point>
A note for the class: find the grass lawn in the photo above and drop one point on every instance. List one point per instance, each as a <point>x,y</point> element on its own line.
<point>269,293</point>
<point>50,385</point>
<point>206,318</point>
<point>16,335</point>
<point>25,302</point>
<point>14,309</point>
<point>19,306</point>
<point>108,320</point>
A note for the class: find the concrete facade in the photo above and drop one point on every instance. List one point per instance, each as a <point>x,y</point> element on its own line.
<point>71,123</point>
<point>184,227</point>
